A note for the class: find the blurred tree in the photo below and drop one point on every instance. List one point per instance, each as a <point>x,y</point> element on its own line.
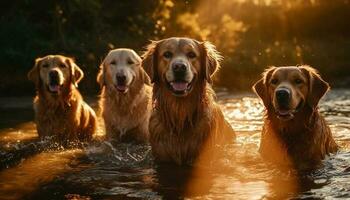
<point>250,34</point>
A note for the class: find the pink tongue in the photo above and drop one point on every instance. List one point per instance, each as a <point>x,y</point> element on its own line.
<point>179,86</point>
<point>283,112</point>
<point>121,87</point>
<point>54,88</point>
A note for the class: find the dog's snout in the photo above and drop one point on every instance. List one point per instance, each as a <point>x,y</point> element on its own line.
<point>179,67</point>
<point>54,77</point>
<point>283,96</point>
<point>121,78</point>
<point>53,74</point>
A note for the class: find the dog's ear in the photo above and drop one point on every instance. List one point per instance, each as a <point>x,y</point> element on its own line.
<point>210,61</point>
<point>76,73</point>
<point>317,86</point>
<point>150,61</point>
<point>144,77</point>
<point>101,75</point>
<point>34,73</point>
<point>141,71</point>
<point>261,86</point>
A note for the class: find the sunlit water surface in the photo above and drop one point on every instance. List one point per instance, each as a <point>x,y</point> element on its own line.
<point>30,169</point>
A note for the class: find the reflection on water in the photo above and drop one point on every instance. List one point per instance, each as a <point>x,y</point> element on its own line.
<point>27,177</point>
<point>33,170</point>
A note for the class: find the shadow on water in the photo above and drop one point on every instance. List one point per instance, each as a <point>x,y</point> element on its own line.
<point>34,170</point>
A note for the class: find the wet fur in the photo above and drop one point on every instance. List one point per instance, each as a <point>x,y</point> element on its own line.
<point>303,141</point>
<point>183,130</point>
<point>126,116</point>
<point>67,118</point>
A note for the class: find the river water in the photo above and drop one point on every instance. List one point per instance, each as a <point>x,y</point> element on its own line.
<point>32,169</point>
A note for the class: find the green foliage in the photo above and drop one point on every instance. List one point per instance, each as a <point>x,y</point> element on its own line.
<point>250,35</point>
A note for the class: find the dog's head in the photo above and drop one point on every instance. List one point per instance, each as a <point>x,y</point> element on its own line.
<point>120,69</point>
<point>55,73</point>
<point>287,90</point>
<point>180,63</point>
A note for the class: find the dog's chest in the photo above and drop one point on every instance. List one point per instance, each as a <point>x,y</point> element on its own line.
<point>179,147</point>
<point>125,117</point>
<point>125,122</point>
<point>55,121</point>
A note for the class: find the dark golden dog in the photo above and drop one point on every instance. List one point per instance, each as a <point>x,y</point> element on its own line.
<point>186,123</point>
<point>59,108</point>
<point>126,96</point>
<point>294,132</point>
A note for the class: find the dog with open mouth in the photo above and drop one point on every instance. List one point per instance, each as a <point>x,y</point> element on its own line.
<point>294,132</point>
<point>60,110</point>
<point>186,123</point>
<point>125,98</point>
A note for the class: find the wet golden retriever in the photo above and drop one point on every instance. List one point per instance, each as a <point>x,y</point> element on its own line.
<point>125,97</point>
<point>294,132</point>
<point>59,108</point>
<point>186,123</point>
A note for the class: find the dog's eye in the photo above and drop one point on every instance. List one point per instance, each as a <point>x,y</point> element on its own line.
<point>167,54</point>
<point>274,81</point>
<point>191,54</point>
<point>298,81</point>
<point>61,65</point>
<point>45,65</point>
<point>113,62</point>
<point>130,62</point>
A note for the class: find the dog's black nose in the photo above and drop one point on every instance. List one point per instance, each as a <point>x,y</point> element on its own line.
<point>121,78</point>
<point>283,96</point>
<point>53,74</point>
<point>179,67</point>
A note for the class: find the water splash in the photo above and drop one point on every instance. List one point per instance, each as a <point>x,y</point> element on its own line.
<point>105,170</point>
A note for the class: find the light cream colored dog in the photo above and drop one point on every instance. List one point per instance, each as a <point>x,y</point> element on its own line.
<point>59,108</point>
<point>125,97</point>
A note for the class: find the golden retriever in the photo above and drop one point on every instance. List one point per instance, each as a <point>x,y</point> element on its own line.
<point>294,132</point>
<point>59,108</point>
<point>186,122</point>
<point>125,97</point>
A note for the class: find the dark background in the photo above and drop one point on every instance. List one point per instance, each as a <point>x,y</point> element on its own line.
<point>250,34</point>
